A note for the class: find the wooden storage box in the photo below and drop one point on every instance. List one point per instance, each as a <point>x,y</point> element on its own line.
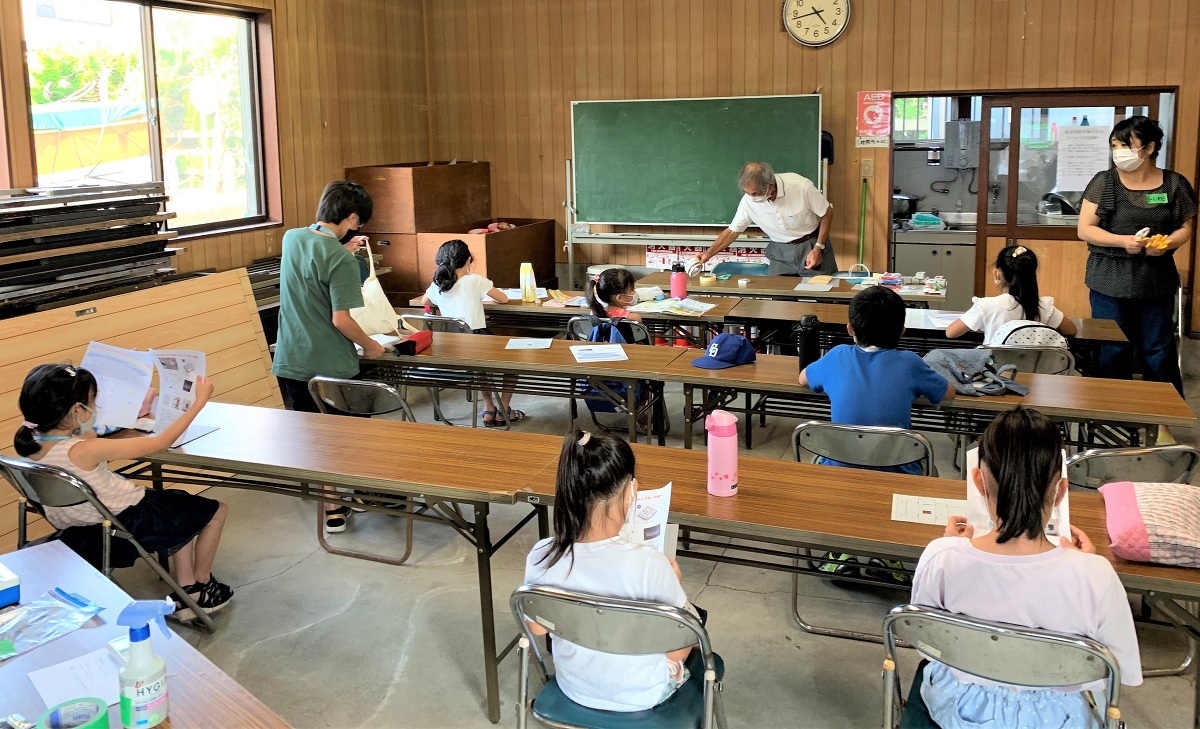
<point>415,197</point>
<point>399,251</point>
<point>497,255</point>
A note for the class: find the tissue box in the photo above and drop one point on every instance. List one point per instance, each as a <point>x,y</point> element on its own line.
<point>10,587</point>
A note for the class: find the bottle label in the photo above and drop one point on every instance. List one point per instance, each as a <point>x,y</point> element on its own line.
<point>143,703</point>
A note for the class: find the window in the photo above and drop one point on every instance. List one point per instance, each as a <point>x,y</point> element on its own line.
<point>123,92</point>
<point>921,118</point>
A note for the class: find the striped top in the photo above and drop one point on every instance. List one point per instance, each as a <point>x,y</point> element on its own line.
<point>115,492</point>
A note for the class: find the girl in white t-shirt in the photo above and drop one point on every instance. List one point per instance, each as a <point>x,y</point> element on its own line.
<point>458,292</point>
<point>1016,275</point>
<point>595,492</point>
<point>1015,574</point>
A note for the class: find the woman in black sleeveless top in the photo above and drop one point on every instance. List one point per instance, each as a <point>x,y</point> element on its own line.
<point>1129,281</point>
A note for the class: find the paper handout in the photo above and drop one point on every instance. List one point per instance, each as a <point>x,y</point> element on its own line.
<point>650,518</point>
<point>599,353</point>
<point>977,511</point>
<point>177,373</point>
<point>94,674</point>
<point>524,343</point>
<point>123,378</point>
<point>926,509</point>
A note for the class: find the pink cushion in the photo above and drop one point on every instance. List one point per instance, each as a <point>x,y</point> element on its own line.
<point>1154,522</point>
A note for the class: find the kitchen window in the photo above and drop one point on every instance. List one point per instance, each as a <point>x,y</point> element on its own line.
<point>125,92</point>
<point>923,118</point>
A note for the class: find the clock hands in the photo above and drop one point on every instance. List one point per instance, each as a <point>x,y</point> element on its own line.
<point>816,12</point>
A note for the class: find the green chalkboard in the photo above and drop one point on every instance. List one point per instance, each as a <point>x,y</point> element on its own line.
<point>675,161</point>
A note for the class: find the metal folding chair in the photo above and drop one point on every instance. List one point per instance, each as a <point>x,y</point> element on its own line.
<point>580,328</point>
<point>998,652</point>
<point>452,325</point>
<point>623,627</point>
<point>40,485</point>
<point>1035,360</point>
<point>860,445</point>
<point>364,398</point>
<point>1093,468</point>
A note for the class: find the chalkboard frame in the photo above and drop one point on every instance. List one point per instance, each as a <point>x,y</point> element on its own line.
<point>814,175</point>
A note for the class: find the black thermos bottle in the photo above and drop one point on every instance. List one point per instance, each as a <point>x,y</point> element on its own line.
<point>808,340</point>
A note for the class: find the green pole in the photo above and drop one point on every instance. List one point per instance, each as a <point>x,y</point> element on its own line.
<point>862,219</point>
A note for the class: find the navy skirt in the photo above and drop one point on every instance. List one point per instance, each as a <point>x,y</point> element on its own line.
<point>163,521</point>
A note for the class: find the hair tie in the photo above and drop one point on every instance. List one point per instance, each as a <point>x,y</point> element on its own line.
<point>583,439</point>
<point>69,370</point>
<point>30,425</point>
<point>1019,251</point>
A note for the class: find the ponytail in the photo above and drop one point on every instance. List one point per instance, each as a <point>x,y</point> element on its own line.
<point>592,469</point>
<point>1018,265</point>
<point>1023,452</point>
<point>48,394</point>
<point>451,256</point>
<point>603,288</point>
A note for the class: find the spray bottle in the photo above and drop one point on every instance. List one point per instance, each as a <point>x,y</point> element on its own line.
<point>144,677</point>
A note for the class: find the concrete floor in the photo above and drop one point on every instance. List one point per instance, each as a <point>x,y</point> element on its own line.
<point>328,641</point>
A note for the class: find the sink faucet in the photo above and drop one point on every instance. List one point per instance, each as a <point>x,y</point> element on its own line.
<point>994,188</point>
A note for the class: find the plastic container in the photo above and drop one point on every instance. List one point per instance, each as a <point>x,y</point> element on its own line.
<point>722,453</point>
<point>528,284</point>
<point>679,279</point>
<point>144,701</point>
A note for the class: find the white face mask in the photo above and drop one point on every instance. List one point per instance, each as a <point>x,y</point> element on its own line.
<point>760,198</point>
<point>90,423</point>
<point>631,512</point>
<point>1127,159</point>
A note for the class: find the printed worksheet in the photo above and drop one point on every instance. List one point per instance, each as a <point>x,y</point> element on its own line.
<point>123,378</point>
<point>977,511</point>
<point>177,373</point>
<point>649,524</point>
<point>528,343</point>
<point>599,353</point>
<point>926,509</point>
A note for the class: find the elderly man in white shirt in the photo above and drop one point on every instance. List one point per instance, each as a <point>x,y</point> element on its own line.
<point>792,212</point>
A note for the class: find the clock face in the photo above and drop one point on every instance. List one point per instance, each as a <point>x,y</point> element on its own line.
<point>816,22</point>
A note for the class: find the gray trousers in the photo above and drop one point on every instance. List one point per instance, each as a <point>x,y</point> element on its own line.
<point>787,259</point>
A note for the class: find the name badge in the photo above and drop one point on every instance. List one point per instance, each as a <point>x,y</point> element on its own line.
<point>1159,198</point>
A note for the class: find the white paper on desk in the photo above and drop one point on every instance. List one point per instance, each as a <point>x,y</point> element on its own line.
<point>688,307</point>
<point>177,373</point>
<point>650,293</point>
<point>977,511</point>
<point>813,287</point>
<point>96,674</point>
<point>526,343</point>
<point>599,353</point>
<point>516,294</point>
<point>650,518</point>
<point>383,340</point>
<point>926,509</point>
<point>123,378</point>
<point>941,319</point>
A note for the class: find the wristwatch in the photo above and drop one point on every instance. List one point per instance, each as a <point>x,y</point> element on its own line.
<point>819,244</point>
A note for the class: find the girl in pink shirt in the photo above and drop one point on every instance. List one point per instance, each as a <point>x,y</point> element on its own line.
<point>1015,574</point>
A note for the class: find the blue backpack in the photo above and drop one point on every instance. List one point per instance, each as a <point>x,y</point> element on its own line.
<point>608,332</point>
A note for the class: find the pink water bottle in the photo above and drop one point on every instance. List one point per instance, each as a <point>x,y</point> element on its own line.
<point>722,453</point>
<point>678,281</point>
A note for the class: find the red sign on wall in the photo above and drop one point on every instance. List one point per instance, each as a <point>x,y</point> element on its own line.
<point>874,122</point>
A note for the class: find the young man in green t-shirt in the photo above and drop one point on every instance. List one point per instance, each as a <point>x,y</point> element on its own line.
<point>318,286</point>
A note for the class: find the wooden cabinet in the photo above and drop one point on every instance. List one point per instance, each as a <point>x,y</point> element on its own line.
<point>399,252</point>
<point>497,255</point>
<point>416,197</point>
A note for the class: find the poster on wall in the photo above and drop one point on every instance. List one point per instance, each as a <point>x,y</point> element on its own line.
<point>1082,152</point>
<point>662,257</point>
<point>874,120</point>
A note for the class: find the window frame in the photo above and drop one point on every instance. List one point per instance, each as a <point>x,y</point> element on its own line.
<point>262,130</point>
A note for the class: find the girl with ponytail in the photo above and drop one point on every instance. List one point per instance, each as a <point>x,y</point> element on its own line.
<point>611,293</point>
<point>58,403</point>
<point>594,496</point>
<point>457,292</point>
<point>1015,274</point>
<point>1016,574</point>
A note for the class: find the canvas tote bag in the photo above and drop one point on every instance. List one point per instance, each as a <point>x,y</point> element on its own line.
<point>377,315</point>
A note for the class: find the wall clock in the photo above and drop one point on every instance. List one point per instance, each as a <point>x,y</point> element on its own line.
<point>816,23</point>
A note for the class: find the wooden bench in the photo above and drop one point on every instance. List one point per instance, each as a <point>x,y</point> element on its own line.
<point>215,314</point>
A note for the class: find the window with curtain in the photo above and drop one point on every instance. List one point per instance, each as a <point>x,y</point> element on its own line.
<point>126,92</point>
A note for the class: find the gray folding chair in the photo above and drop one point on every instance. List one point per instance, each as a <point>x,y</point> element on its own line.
<point>40,485</point>
<point>1035,360</point>
<point>997,652</point>
<point>863,445</point>
<point>1093,468</point>
<point>451,325</point>
<point>623,627</point>
<point>872,447</point>
<point>363,398</point>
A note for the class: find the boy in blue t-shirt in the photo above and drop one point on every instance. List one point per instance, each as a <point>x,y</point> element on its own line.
<point>872,382</point>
